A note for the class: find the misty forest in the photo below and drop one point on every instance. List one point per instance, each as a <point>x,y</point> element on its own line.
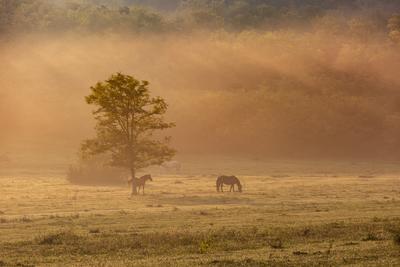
<point>199,133</point>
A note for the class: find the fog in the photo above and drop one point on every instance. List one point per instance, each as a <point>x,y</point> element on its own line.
<point>283,93</point>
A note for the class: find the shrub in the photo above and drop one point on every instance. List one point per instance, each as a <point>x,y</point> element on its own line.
<point>371,237</point>
<point>95,172</point>
<point>204,246</point>
<point>276,243</point>
<point>94,231</point>
<point>58,238</point>
<point>396,236</point>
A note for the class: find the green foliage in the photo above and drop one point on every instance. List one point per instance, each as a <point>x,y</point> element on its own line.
<point>204,246</point>
<point>140,15</point>
<point>269,14</point>
<point>127,118</point>
<point>27,16</point>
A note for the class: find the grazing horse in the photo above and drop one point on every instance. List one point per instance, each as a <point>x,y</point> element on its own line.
<point>139,182</point>
<point>228,180</point>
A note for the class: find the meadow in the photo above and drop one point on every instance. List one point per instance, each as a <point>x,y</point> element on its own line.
<point>259,80</point>
<point>290,214</point>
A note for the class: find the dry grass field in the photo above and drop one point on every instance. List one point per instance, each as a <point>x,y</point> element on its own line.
<point>290,214</point>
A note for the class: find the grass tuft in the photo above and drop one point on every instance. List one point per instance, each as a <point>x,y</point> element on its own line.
<point>237,263</point>
<point>371,237</point>
<point>276,243</point>
<point>58,239</point>
<point>299,253</point>
<point>396,237</point>
<point>204,246</point>
<point>26,219</point>
<point>94,231</point>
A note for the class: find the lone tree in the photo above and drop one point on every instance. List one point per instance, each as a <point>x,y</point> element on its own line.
<point>127,117</point>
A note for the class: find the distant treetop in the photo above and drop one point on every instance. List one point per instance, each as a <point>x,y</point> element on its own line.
<point>179,15</point>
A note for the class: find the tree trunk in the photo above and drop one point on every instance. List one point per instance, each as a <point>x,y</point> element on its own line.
<point>134,186</point>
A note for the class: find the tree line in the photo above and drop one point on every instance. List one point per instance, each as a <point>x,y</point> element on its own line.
<point>182,15</point>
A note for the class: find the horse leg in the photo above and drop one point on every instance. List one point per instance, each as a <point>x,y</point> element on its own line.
<point>134,190</point>
<point>143,189</point>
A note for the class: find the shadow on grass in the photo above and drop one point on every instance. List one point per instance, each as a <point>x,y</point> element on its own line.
<point>205,200</point>
<point>244,262</point>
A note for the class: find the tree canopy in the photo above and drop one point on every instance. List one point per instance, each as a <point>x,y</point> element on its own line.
<point>127,119</point>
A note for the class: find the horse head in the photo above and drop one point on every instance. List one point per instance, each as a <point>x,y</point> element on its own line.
<point>239,187</point>
<point>148,177</point>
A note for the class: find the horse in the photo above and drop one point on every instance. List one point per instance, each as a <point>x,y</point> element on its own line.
<point>139,182</point>
<point>228,180</point>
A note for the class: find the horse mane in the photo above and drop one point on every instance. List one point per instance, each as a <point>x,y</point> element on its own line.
<point>146,177</point>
